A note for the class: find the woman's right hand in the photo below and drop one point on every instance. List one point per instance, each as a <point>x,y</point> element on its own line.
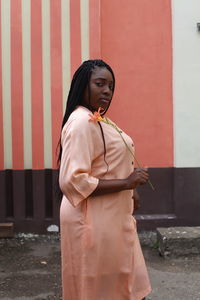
<point>107,186</point>
<point>139,177</point>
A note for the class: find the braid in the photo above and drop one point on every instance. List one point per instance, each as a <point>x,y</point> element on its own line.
<point>104,145</point>
<point>79,83</point>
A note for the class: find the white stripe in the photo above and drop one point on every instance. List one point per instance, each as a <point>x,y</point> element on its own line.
<point>6,83</point>
<point>186,80</point>
<point>26,57</point>
<point>84,4</point>
<point>46,83</point>
<point>65,27</point>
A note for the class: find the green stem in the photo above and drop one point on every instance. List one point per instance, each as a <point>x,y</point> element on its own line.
<point>107,121</point>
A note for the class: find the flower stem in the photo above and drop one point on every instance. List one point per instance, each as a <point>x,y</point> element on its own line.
<point>107,121</point>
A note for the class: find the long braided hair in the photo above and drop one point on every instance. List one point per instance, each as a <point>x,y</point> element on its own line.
<point>79,83</point>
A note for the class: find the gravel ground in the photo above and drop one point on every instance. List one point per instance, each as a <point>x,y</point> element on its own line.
<point>30,269</point>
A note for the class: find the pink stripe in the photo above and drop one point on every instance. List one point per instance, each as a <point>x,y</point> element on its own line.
<point>141,57</point>
<point>16,85</point>
<point>75,35</point>
<point>95,29</point>
<point>56,75</point>
<point>1,110</point>
<point>36,88</point>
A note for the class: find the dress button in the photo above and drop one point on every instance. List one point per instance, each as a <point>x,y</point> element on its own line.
<point>132,145</point>
<point>132,162</point>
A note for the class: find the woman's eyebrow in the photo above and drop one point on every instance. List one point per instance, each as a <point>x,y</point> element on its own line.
<point>102,78</point>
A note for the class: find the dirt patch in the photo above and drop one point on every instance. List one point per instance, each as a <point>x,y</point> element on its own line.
<point>30,269</point>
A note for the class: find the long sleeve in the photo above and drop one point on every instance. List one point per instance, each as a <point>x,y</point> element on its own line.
<point>78,152</point>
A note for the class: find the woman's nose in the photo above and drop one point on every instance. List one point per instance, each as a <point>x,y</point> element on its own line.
<point>107,90</point>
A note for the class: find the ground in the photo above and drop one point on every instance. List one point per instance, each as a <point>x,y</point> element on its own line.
<point>30,269</point>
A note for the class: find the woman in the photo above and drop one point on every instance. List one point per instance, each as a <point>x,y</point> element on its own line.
<point>101,254</point>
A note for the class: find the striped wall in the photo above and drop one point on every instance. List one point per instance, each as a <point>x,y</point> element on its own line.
<point>153,49</point>
<point>42,43</point>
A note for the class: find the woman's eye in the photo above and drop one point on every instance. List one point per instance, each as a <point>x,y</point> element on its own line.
<point>111,87</point>
<point>99,84</point>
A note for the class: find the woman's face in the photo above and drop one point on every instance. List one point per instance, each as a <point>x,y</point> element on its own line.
<point>100,90</point>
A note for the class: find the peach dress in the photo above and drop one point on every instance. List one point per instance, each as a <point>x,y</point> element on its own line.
<point>101,253</point>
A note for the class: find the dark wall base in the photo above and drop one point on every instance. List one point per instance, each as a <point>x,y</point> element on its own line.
<point>175,201</point>
<point>28,199</point>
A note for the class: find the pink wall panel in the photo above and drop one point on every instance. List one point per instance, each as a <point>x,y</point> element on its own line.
<point>37,88</point>
<point>95,28</point>
<point>1,109</point>
<point>56,76</point>
<point>17,85</point>
<point>136,40</point>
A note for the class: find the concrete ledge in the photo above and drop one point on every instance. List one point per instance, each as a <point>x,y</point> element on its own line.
<point>178,240</point>
<point>6,230</point>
